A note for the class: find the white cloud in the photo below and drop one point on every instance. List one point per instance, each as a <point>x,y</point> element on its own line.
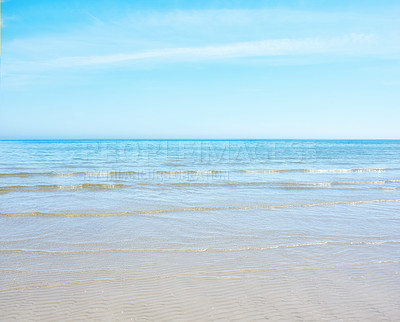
<point>153,38</point>
<point>347,44</point>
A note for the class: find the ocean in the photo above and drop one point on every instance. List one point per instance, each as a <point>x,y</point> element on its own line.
<point>200,230</point>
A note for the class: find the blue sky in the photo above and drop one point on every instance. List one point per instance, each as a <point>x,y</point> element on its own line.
<point>200,69</point>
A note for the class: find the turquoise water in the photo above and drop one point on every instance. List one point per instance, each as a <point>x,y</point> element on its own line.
<point>97,177</point>
<point>220,208</point>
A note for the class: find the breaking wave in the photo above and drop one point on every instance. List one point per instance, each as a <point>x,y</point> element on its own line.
<point>198,209</point>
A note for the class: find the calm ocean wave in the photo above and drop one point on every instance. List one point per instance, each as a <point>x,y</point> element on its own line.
<point>148,175</point>
<point>198,209</point>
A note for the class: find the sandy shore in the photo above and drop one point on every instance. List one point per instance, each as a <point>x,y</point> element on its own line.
<point>203,286</point>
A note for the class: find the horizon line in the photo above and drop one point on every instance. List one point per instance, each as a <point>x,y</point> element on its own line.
<point>201,139</point>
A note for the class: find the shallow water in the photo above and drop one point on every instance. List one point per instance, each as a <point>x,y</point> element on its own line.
<point>200,230</point>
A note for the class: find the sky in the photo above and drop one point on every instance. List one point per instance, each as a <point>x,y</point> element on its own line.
<point>200,69</point>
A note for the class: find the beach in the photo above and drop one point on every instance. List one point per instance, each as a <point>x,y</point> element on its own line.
<point>169,230</point>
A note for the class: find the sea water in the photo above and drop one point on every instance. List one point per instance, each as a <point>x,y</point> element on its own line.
<point>200,230</point>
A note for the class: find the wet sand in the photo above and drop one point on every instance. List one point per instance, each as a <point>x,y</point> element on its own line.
<point>278,275</point>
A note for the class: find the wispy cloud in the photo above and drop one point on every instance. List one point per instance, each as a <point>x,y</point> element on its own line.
<point>5,19</point>
<point>345,45</point>
<point>95,19</point>
<point>133,39</point>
